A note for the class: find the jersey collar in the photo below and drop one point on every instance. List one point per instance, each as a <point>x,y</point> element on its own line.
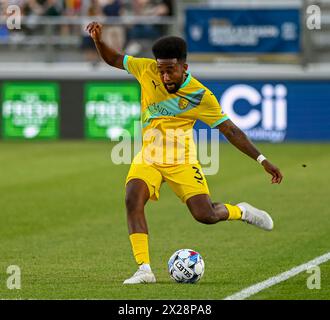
<point>186,81</point>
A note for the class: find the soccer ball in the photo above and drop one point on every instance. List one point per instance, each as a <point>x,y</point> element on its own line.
<point>186,266</point>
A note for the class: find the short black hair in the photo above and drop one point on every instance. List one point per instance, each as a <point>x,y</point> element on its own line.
<point>170,47</point>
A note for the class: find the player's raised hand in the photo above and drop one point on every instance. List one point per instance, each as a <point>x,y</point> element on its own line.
<point>274,171</point>
<point>95,30</point>
<point>109,55</point>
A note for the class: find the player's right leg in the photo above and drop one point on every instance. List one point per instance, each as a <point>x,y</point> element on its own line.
<point>143,183</point>
<point>137,195</point>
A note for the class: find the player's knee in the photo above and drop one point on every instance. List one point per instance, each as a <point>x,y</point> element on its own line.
<point>136,196</point>
<point>207,217</point>
<point>133,203</point>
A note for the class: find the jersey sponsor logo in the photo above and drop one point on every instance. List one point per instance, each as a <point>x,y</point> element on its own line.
<point>172,107</point>
<point>155,109</point>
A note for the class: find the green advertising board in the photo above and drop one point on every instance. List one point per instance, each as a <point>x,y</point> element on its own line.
<point>111,108</point>
<point>30,110</point>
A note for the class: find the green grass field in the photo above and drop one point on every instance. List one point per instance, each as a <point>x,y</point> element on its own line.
<point>62,221</point>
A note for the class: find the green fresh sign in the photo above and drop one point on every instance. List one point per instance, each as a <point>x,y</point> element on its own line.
<point>30,110</point>
<point>111,108</point>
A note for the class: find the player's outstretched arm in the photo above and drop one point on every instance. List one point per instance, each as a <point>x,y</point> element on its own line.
<point>109,55</point>
<point>239,139</point>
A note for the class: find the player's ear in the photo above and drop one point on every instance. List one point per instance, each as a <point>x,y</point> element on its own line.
<point>185,66</point>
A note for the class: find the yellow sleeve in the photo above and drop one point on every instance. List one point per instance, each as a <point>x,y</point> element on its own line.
<point>210,111</point>
<point>137,66</point>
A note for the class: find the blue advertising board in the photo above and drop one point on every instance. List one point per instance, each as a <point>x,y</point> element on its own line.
<point>259,31</point>
<point>276,110</point>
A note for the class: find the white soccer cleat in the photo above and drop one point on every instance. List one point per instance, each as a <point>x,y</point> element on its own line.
<point>258,218</point>
<point>141,276</point>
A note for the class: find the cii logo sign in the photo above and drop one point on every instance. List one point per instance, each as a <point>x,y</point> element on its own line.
<point>266,118</point>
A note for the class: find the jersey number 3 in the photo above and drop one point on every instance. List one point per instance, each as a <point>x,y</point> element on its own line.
<point>198,175</point>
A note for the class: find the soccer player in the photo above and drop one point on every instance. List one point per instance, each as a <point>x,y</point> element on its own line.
<point>173,99</point>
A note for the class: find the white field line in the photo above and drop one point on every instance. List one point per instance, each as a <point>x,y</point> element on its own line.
<point>247,292</point>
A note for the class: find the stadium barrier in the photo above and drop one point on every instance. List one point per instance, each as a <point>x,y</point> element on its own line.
<point>270,103</point>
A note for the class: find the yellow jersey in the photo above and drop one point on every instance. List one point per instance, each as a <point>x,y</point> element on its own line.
<point>168,118</point>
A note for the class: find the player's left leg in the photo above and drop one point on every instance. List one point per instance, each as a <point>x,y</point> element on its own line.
<point>189,183</point>
<point>204,211</point>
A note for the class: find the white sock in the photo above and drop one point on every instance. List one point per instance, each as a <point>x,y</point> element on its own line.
<point>145,267</point>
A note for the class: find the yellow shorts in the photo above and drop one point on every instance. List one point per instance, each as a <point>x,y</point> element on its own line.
<point>186,180</point>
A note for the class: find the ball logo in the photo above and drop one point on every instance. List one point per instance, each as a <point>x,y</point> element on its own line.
<point>182,268</point>
<point>267,118</point>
